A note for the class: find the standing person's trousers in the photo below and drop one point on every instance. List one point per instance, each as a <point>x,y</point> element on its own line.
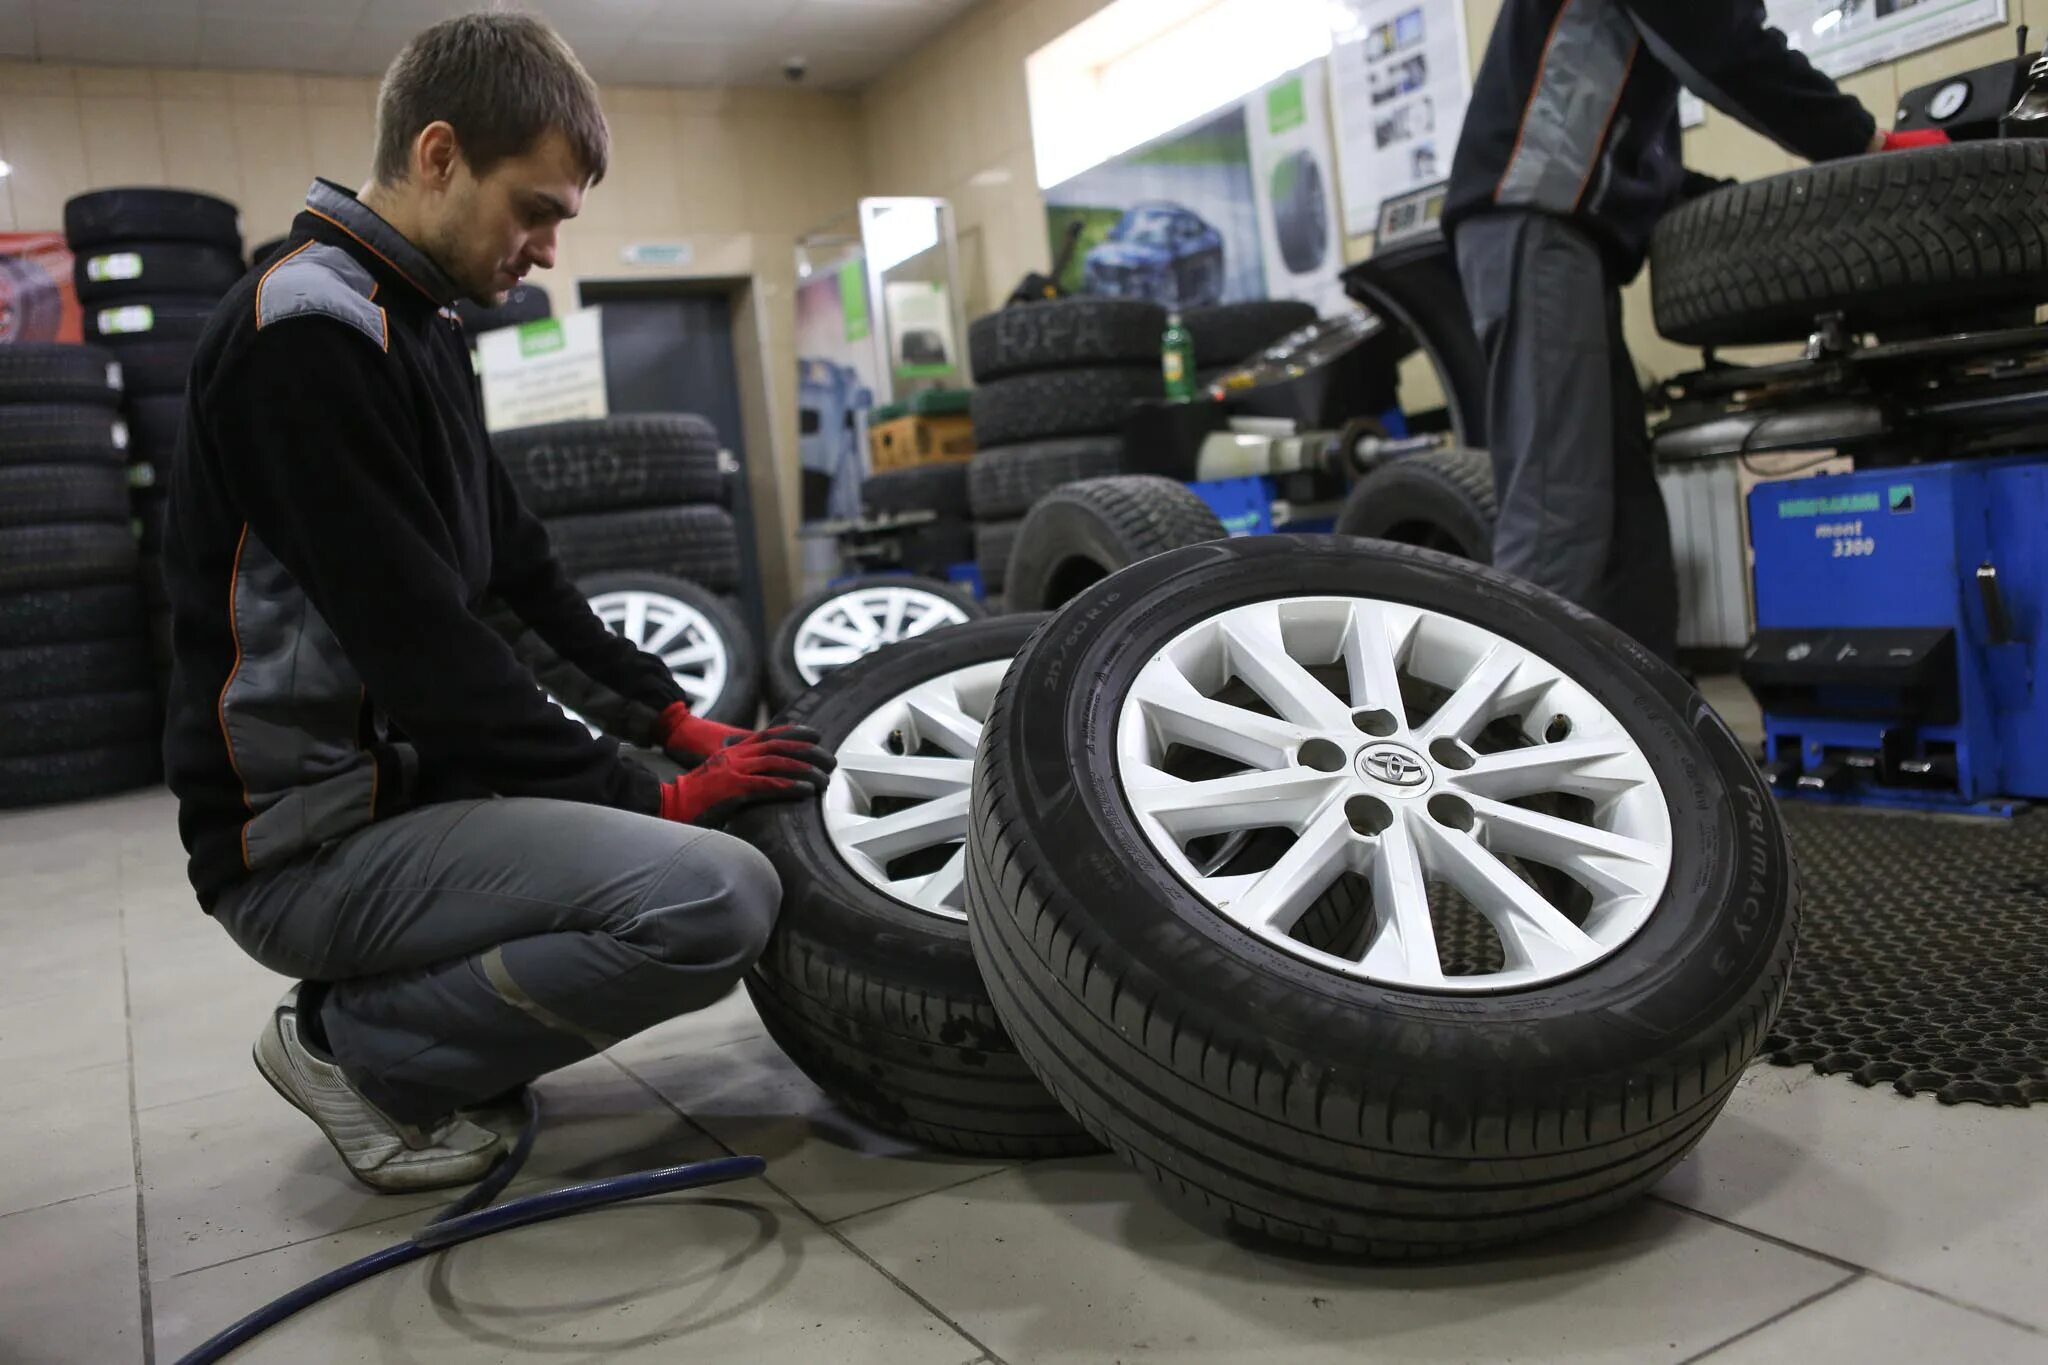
<point>1580,513</point>
<point>474,945</point>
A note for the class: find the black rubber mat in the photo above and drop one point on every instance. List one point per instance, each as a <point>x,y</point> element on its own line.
<point>1923,958</point>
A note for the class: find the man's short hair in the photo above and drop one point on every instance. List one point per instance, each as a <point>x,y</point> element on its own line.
<point>502,82</point>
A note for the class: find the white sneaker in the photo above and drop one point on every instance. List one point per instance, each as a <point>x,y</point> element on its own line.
<point>382,1153</point>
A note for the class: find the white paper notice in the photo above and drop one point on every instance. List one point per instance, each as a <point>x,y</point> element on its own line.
<point>1841,36</point>
<point>1400,85</point>
<point>551,370</point>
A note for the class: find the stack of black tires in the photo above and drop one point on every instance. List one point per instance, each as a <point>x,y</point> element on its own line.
<point>928,548</point>
<point>1055,381</point>
<point>77,715</point>
<point>150,265</point>
<point>639,492</point>
<point>636,509</point>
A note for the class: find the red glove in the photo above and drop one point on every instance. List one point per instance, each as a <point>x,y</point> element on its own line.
<point>1928,137</point>
<point>690,739</point>
<point>746,774</point>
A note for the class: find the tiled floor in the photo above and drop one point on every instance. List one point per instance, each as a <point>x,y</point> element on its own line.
<point>152,1189</point>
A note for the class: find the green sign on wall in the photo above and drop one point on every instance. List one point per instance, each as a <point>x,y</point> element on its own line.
<point>853,298</point>
<point>1285,107</point>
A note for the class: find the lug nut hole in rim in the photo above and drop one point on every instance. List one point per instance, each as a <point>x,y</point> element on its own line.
<point>1321,754</point>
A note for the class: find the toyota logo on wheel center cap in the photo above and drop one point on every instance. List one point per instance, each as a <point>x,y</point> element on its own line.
<point>1391,765</point>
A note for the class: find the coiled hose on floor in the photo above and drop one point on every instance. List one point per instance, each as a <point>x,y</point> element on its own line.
<point>469,1218</point>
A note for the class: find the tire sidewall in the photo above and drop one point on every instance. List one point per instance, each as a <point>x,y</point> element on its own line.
<point>1725,916</point>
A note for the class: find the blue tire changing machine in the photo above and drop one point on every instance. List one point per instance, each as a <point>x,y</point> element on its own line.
<point>1901,618</point>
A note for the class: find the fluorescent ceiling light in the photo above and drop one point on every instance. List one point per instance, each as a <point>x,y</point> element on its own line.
<point>1827,21</point>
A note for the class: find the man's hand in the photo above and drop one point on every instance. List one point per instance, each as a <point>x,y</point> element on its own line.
<point>1899,142</point>
<point>689,739</point>
<point>751,772</point>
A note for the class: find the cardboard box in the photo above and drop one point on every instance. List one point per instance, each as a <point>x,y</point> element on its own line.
<point>904,441</point>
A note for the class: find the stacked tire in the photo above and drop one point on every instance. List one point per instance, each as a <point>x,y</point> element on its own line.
<point>1053,381</point>
<point>1363,898</point>
<point>149,267</point>
<point>635,508</point>
<point>78,717</point>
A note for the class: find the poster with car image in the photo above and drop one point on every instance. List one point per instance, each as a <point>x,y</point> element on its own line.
<point>1237,205</point>
<point>1174,220</point>
<point>1399,86</point>
<point>1296,185</point>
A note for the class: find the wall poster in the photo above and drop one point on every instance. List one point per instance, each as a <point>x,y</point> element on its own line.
<point>1400,87</point>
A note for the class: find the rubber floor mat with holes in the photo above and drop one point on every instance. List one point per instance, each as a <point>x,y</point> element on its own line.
<point>1923,955</point>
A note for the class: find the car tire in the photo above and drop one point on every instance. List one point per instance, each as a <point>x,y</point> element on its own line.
<point>612,464</point>
<point>56,616</point>
<point>48,372</point>
<point>61,433</point>
<point>32,672</point>
<point>878,1000</point>
<point>148,319</point>
<point>882,609</point>
<point>1041,406</point>
<point>696,542</point>
<point>46,779</point>
<point>994,541</point>
<point>66,554</point>
<point>154,424</point>
<point>156,367</point>
<point>110,274</point>
<point>1301,215</point>
<point>1894,238</point>
<point>70,721</point>
<point>1228,333</point>
<point>1084,532</point>
<point>104,217</point>
<point>1004,481</point>
<point>940,488</point>
<point>1324,1102</point>
<point>31,494</point>
<point>1440,500</point>
<point>711,653</point>
<point>1057,334</point>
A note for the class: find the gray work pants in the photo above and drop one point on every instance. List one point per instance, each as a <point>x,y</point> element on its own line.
<point>1580,513</point>
<point>474,945</point>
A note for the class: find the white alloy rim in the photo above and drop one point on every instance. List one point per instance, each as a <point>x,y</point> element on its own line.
<point>1440,805</point>
<point>675,632</point>
<point>857,623</point>
<point>896,809</point>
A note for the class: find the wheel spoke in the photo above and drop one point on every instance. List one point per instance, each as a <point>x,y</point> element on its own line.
<point>635,626</point>
<point>943,889</point>
<point>1180,714</point>
<point>665,634</point>
<point>1253,800</point>
<point>1471,705</point>
<point>697,688</point>
<point>1534,935</point>
<point>1258,656</point>
<point>1613,863</point>
<point>1271,901</point>
<point>1580,767</point>
<point>934,822</point>
<point>694,654</point>
<point>1372,659</point>
<point>1403,946</point>
<point>877,774</point>
<point>845,634</point>
<point>940,721</point>
<point>932,619</point>
<point>892,619</point>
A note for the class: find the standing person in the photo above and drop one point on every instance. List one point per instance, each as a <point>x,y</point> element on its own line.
<point>375,796</point>
<point>1569,155</point>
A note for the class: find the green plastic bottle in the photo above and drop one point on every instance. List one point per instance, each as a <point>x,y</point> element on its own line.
<point>1177,360</point>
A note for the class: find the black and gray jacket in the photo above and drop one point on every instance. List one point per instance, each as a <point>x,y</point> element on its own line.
<point>337,523</point>
<point>1575,109</point>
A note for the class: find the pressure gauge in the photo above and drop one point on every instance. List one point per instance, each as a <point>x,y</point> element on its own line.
<point>1948,101</point>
